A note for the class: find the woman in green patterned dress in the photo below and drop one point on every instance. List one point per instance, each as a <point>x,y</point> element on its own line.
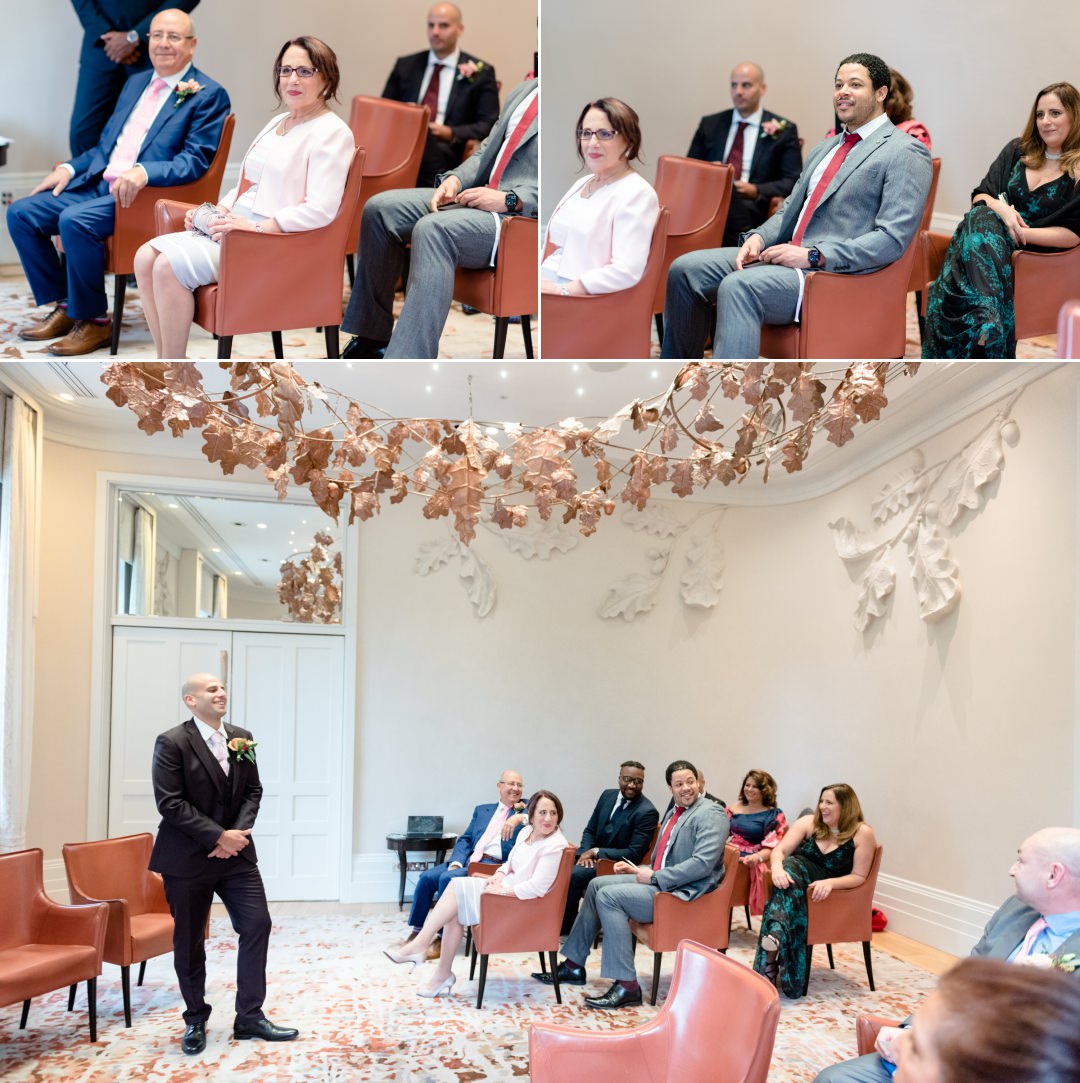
<point>832,848</point>
<point>1030,199</point>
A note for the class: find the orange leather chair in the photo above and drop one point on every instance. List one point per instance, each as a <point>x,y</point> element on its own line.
<point>843,917</point>
<point>509,288</point>
<point>508,925</point>
<point>711,996</point>
<point>706,919</point>
<point>1069,330</point>
<point>43,944</point>
<point>481,868</point>
<point>697,196</point>
<point>393,135</point>
<point>606,325</point>
<point>140,926</point>
<point>919,269</point>
<point>740,893</point>
<point>275,281</point>
<point>135,225</point>
<point>866,1031</point>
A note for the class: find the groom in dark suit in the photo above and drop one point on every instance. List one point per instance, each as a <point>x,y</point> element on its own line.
<point>207,789</point>
<point>164,131</point>
<point>762,146</point>
<point>459,90</point>
<point>620,829</point>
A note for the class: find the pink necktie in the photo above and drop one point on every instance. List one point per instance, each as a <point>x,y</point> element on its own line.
<point>512,142</point>
<point>131,139</point>
<point>494,828</point>
<point>661,846</point>
<point>217,746</point>
<point>850,139</point>
<point>1032,935</point>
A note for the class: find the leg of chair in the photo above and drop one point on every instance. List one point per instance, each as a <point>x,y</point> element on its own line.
<point>119,290</point>
<point>468,941</point>
<point>526,334</point>
<point>350,266</point>
<point>91,1004</point>
<point>71,998</point>
<point>828,949</point>
<point>224,347</point>
<point>749,924</point>
<point>472,963</point>
<point>919,314</point>
<point>483,981</point>
<point>279,350</point>
<point>25,1014</point>
<point>142,972</point>
<point>501,324</point>
<point>657,957</point>
<point>125,985</point>
<point>554,973</point>
<point>332,350</point>
<point>660,327</point>
<point>809,956</point>
<point>869,967</point>
<point>543,963</point>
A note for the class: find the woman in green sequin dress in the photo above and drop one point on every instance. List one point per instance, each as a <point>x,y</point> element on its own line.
<point>1029,199</point>
<point>831,849</point>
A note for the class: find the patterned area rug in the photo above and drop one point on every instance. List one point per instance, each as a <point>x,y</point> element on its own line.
<point>360,1019</point>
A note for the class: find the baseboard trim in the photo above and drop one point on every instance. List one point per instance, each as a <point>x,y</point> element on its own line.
<point>940,919</point>
<point>375,878</point>
<point>55,880</point>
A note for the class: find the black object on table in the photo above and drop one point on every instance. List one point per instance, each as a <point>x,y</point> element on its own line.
<point>401,844</point>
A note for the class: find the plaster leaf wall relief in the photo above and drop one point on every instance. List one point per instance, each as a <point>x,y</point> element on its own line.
<point>915,513</point>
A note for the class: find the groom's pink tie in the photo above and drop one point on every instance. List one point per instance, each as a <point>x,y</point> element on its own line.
<point>127,146</point>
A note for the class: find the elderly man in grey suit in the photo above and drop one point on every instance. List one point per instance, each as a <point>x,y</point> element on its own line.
<point>454,225</point>
<point>1042,918</point>
<point>688,861</point>
<point>855,209</point>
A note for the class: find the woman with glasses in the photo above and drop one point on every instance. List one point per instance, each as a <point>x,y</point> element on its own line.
<point>292,179</point>
<point>598,236</point>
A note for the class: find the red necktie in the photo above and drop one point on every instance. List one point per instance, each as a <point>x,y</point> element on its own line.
<point>431,95</point>
<point>735,154</point>
<point>850,139</point>
<point>661,846</point>
<point>512,142</point>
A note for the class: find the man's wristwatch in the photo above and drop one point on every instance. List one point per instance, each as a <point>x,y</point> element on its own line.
<point>816,259</point>
<point>133,37</point>
<point>512,203</point>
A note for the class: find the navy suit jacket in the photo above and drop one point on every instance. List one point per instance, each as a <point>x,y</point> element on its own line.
<point>181,142</point>
<point>624,836</point>
<point>467,841</point>
<point>100,16</point>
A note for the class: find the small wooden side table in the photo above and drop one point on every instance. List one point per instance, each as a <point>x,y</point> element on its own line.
<point>402,844</point>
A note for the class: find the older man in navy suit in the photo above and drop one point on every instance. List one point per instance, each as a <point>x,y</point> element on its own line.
<point>164,131</point>
<point>489,837</point>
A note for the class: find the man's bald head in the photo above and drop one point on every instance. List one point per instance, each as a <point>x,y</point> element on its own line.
<point>747,87</point>
<point>444,27</point>
<point>1047,870</point>
<point>206,697</point>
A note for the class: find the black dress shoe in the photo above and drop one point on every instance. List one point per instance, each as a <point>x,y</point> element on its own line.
<point>568,975</point>
<point>363,349</point>
<point>618,996</point>
<point>263,1028</point>
<point>194,1039</point>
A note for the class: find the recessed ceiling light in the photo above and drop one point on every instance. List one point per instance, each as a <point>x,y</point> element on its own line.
<point>574,368</point>
<point>174,506</point>
<point>503,373</point>
<point>303,522</point>
<point>581,391</point>
<point>215,550</point>
<point>66,397</point>
<point>654,374</point>
<point>260,526</point>
<point>427,387</point>
<point>435,366</point>
<point>238,573</point>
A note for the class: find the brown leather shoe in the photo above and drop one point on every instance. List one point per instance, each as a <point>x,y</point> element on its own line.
<point>55,324</point>
<point>435,949</point>
<point>85,337</point>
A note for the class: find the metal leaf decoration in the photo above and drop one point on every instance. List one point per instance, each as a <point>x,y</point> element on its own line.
<point>310,588</point>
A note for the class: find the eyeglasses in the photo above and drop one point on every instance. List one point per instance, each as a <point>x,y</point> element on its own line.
<point>172,39</point>
<point>629,780</point>
<point>605,135</point>
<point>303,73</point>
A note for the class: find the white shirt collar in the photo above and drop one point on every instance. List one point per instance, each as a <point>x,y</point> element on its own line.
<point>206,731</point>
<point>872,126</point>
<point>451,61</point>
<point>170,82</point>
<point>754,119</point>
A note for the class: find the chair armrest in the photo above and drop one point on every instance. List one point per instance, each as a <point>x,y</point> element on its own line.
<point>518,238</point>
<point>866,1031</point>
<point>932,248</point>
<point>154,897</point>
<point>56,923</point>
<point>169,215</point>
<point>482,868</point>
<point>605,866</point>
<point>557,1053</point>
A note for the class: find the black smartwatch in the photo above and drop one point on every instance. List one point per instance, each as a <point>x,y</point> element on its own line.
<point>815,258</point>
<point>512,203</point>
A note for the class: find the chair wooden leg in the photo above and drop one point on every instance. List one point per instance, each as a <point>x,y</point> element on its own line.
<point>828,949</point>
<point>869,966</point>
<point>71,998</point>
<point>483,981</point>
<point>332,350</point>
<point>25,1014</point>
<point>526,334</point>
<point>657,957</point>
<point>543,963</point>
<point>472,963</point>
<point>553,955</point>
<point>350,266</point>
<point>919,315</point>
<point>91,1004</point>
<point>749,924</point>
<point>279,350</point>
<point>142,972</point>
<point>125,985</point>
<point>809,957</point>
<point>501,324</point>
<point>660,327</point>
<point>224,347</point>
<point>468,942</point>
<point>119,292</point>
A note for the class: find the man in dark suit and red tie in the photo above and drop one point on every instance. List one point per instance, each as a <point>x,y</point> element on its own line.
<point>458,89</point>
<point>207,789</point>
<point>763,149</point>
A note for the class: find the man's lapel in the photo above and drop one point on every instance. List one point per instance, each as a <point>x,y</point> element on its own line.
<point>723,126</point>
<point>458,88</point>
<point>205,756</point>
<point>170,109</point>
<point>762,145</point>
<point>858,154</point>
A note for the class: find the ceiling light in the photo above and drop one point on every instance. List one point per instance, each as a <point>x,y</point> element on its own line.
<point>581,391</point>
<point>427,387</point>
<point>260,526</point>
<point>503,373</point>
<point>66,397</point>
<point>174,506</point>
<point>215,550</point>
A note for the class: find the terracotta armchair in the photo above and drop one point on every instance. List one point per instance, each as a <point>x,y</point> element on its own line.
<point>393,135</point>
<point>605,866</point>
<point>919,275</point>
<point>843,917</point>
<point>616,325</point>
<point>135,225</point>
<point>508,925</point>
<point>481,868</point>
<point>740,893</point>
<point>706,919</point>
<point>275,281</point>
<point>140,925</point>
<point>43,944</point>
<point>1069,330</point>
<point>510,287</point>
<point>710,996</point>
<point>866,1031</point>
<point>697,196</point>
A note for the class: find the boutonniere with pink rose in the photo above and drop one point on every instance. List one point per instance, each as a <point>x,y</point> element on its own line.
<point>242,749</point>
<point>184,89</point>
<point>469,70</point>
<point>519,808</point>
<point>772,128</point>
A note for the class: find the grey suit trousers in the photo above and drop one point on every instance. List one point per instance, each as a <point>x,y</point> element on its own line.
<point>868,1069</point>
<point>441,242</point>
<point>610,903</point>
<point>704,289</point>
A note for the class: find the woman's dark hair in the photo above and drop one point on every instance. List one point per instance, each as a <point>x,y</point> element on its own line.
<point>680,765</point>
<point>530,808</point>
<point>1032,147</point>
<point>764,782</point>
<point>1003,1022</point>
<point>878,69</point>
<point>622,119</point>
<point>323,60</point>
<point>850,812</point>
<point>900,97</point>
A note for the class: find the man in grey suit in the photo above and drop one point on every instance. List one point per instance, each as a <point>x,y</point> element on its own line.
<point>855,209</point>
<point>688,861</point>
<point>454,225</point>
<point>1047,876</point>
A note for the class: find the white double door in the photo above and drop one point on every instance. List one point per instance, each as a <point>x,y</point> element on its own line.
<point>288,690</point>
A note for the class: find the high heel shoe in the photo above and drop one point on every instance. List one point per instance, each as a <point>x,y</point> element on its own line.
<point>442,990</point>
<point>770,948</point>
<point>404,956</point>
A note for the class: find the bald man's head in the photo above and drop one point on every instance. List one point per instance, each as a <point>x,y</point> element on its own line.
<point>1047,870</point>
<point>206,697</point>
<point>747,87</point>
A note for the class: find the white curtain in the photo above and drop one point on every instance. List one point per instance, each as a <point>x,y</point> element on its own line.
<point>20,524</point>
<point>221,597</point>
<point>143,564</point>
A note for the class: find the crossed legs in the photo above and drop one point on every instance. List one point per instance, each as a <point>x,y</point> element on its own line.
<point>443,916</point>
<point>169,307</point>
